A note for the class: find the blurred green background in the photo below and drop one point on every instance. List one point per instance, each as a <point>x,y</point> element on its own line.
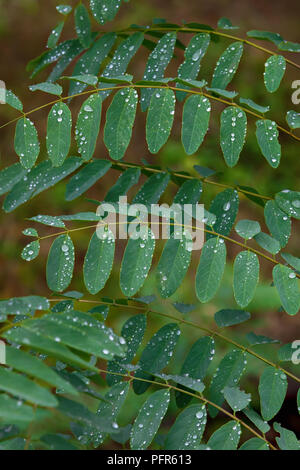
<point>24,28</point>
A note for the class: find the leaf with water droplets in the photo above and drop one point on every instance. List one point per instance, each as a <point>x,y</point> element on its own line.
<point>236,398</point>
<point>59,133</point>
<point>89,63</point>
<point>247,229</point>
<point>187,431</point>
<point>88,125</point>
<point>40,178</point>
<point>64,9</point>
<point>86,178</point>
<point>193,55</point>
<point>83,25</point>
<point>272,390</point>
<point>104,10</point>
<point>223,93</point>
<point>255,339</point>
<point>31,251</point>
<point>149,419</point>
<point>52,88</point>
<point>98,261</point>
<point>30,232</point>
<point>229,317</point>
<point>195,121</point>
<point>136,263</point>
<point>245,277</point>
<point>289,202</point>
<point>23,305</point>
<point>48,220</point>
<point>227,65</point>
<point>210,269</point>
<point>119,122</point>
<point>60,263</point>
<point>252,105</point>
<point>10,176</point>
<point>265,36</point>
<point>27,145</point>
<point>232,133</point>
<point>12,100</point>
<point>156,65</point>
<point>133,332</point>
<point>195,365</point>
<point>292,260</point>
<point>293,119</point>
<point>22,387</point>
<point>267,242</point>
<point>152,190</point>
<point>126,180</point>
<point>160,118</point>
<point>286,283</point>
<point>226,437</point>
<point>174,263</point>
<point>278,222</point>
<point>225,207</point>
<point>225,23</point>
<point>256,419</point>
<point>227,374</point>
<point>120,61</point>
<point>156,355</point>
<point>274,72</point>
<point>55,35</point>
<point>267,139</point>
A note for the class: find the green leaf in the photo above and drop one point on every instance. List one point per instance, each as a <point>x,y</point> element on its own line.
<point>227,437</point>
<point>156,65</point>
<point>225,207</point>
<point>64,9</point>
<point>272,390</point>
<point>237,399</point>
<point>90,62</point>
<point>233,133</point>
<point>14,412</point>
<point>104,10</point>
<point>57,442</point>
<point>195,365</point>
<point>256,419</point>
<point>245,277</point>
<point>293,119</point>
<point>31,251</point>
<point>40,178</point>
<point>195,121</point>
<point>252,105</point>
<point>12,100</point>
<point>187,431</point>
<point>247,229</point>
<point>156,355</point>
<point>229,317</point>
<point>292,260</point>
<point>227,374</point>
<point>60,263</point>
<point>223,93</point>
<point>267,242</point>
<point>119,122</point>
<point>194,53</point>
<point>287,439</point>
<point>210,269</point>
<point>47,87</point>
<point>173,264</point>
<point>266,36</point>
<point>83,25</point>
<point>274,72</point>
<point>88,125</point>
<point>120,61</point>
<point>86,178</point>
<point>225,23</point>
<point>286,351</point>
<point>17,443</point>
<point>22,387</point>
<point>160,118</point>
<point>133,332</point>
<point>126,180</point>
<point>59,133</point>
<point>27,145</point>
<point>152,190</point>
<point>34,367</point>
<point>286,283</point>
<point>136,263</point>
<point>267,138</point>
<point>10,176</point>
<point>289,46</point>
<point>48,220</point>
<point>30,232</point>
<point>149,419</point>
<point>289,202</point>
<point>254,444</point>
<point>55,35</point>
<point>98,261</point>
<point>278,223</point>
<point>190,191</point>
<point>254,339</point>
<point>23,305</point>
<point>227,65</point>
